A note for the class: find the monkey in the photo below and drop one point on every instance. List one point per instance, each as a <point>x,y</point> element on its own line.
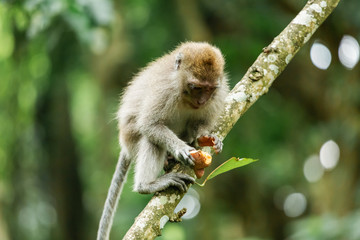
<point>164,109</point>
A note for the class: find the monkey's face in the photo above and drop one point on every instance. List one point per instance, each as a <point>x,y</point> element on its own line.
<point>200,68</point>
<point>197,94</point>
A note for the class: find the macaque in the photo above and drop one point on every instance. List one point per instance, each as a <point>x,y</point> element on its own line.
<point>171,103</point>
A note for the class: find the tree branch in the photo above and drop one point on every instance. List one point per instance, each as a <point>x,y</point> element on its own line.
<point>256,82</point>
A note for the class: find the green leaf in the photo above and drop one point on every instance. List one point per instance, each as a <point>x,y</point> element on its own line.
<point>228,165</point>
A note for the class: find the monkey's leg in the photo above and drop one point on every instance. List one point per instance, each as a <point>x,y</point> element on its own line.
<point>113,196</point>
<point>149,164</point>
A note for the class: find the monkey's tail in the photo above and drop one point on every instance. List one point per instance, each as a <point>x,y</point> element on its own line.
<point>113,197</point>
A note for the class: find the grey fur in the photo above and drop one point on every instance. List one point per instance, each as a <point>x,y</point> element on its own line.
<point>113,197</point>
<point>154,120</point>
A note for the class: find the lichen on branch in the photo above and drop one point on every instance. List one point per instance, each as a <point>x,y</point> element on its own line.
<point>272,61</point>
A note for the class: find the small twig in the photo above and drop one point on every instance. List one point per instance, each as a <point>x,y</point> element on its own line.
<point>176,217</point>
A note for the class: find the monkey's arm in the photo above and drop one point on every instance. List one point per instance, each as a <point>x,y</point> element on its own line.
<point>154,121</point>
<point>161,135</point>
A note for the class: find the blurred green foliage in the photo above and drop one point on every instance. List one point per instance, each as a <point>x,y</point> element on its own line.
<point>63,64</point>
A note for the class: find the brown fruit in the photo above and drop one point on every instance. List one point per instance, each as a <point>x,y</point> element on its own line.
<point>199,172</point>
<point>202,160</point>
<point>206,141</point>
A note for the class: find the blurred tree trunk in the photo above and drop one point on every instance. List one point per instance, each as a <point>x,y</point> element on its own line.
<point>63,160</point>
<point>16,169</point>
<point>110,73</point>
<point>193,21</point>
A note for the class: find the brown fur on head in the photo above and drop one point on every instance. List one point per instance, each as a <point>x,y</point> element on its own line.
<point>204,61</point>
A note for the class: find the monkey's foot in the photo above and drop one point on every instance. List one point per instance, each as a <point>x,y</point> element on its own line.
<point>178,180</point>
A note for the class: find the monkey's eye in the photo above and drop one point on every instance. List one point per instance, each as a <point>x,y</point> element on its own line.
<point>193,86</point>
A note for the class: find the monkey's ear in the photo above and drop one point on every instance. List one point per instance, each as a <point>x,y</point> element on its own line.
<point>178,59</point>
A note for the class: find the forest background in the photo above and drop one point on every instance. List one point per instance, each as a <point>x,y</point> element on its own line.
<point>64,63</point>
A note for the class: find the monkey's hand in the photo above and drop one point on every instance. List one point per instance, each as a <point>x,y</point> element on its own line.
<point>210,141</point>
<point>184,155</point>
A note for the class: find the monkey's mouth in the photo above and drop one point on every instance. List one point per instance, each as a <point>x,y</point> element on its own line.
<point>195,105</point>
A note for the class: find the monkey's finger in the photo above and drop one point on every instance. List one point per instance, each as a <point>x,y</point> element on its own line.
<point>179,184</point>
<point>181,180</point>
<point>187,158</point>
<point>217,141</point>
<point>172,179</point>
<point>218,147</point>
<point>187,178</point>
<point>190,156</point>
<point>183,177</point>
<point>183,157</point>
<point>218,144</point>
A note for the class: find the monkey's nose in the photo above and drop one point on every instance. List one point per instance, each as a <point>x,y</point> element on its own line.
<point>201,102</point>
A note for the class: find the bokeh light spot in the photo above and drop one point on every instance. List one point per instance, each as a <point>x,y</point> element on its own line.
<point>349,51</point>
<point>192,204</point>
<point>329,154</point>
<point>313,170</point>
<point>320,56</point>
<point>295,204</point>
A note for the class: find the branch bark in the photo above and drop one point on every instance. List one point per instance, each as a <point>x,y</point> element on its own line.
<point>256,82</point>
